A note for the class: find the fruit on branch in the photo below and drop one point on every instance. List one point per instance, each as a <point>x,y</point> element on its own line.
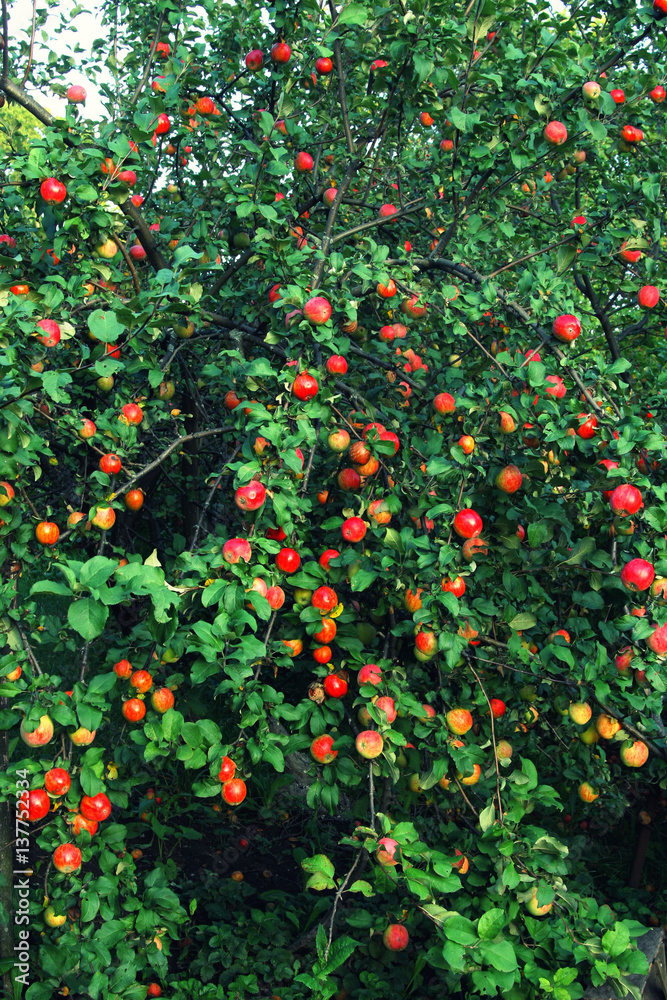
<point>386,852</point>
<point>626,500</point>
<point>468,523</point>
<point>95,807</point>
<point>444,403</point>
<point>227,769</point>
<point>305,387</point>
<point>637,575</point>
<point>509,479</point>
<point>105,518</point>
<point>459,721</point>
<point>580,712</point>
<point>254,60</point>
<point>321,751</point>
<point>81,824</point>
<point>67,858</point>
<point>51,332</point>
<point>591,90</point>
<point>555,133</point>
<point>370,673</point>
<point>586,792</point>
<point>353,529</point>
<point>317,310</point>
<point>111,464</point>
<point>57,781</point>
<point>388,706</point>
<point>648,297</point>
<point>53,919</point>
<point>617,96</point>
<point>47,533</point>
<point>53,191</point>
<point>234,791</point>
<point>634,753</point>
<point>162,699</point>
<point>281,52</point>
<point>369,744</point>
<point>534,909</point>
<point>76,94</point>
<point>134,499</point>
<point>236,549</point>
<point>658,94</point>
<point>82,737</point>
<point>566,328</point>
<point>134,709</point>
<point>250,497</point>
<point>396,937</point>
<point>303,163</point>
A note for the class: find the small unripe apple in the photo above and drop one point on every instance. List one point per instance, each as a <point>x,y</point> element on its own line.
<point>591,90</point>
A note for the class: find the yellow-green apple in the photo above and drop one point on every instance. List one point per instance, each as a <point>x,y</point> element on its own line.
<point>606,726</point>
<point>591,90</point>
<point>459,720</point>
<point>369,744</point>
<point>634,753</point>
<point>82,737</point>
<point>40,736</point>
<point>580,712</point>
<point>589,735</point>
<point>504,750</point>
<point>534,909</point>
<point>53,919</point>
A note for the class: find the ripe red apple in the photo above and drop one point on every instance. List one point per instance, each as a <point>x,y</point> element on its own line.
<point>637,575</point>
<point>317,310</point>
<point>369,744</point>
<point>631,135</point>
<point>426,645</point>
<point>305,386</point>
<point>658,95</point>
<point>335,686</point>
<point>413,307</point>
<point>134,709</point>
<point>321,750</point>
<point>336,365</point>
<point>349,480</point>
<point>80,823</point>
<point>236,549</point>
<point>323,66</point>
<point>326,558</point>
<point>659,589</point>
<point>648,296</point>
<point>154,990</point>
<point>507,423</point>
<point>626,500</point>
<point>588,426</point>
<point>111,464</point>
<point>76,94</point>
<point>40,736</point>
<point>388,706</point>
<point>254,60</point>
<point>386,851</point>
<point>370,674</point>
<point>276,597</point>
<point>509,479</point>
<point>617,96</point>
<point>657,641</point>
<point>556,388</point>
<point>51,335</point>
<point>459,720</point>
<point>250,497</point>
<point>53,191</point>
<point>396,937</point>
<point>468,523</point>
<point>566,328</point>
<point>67,858</point>
<point>457,586</point>
<point>387,210</point>
<point>281,52</point>
<point>57,781</point>
<point>324,599</point>
<point>555,133</point>
<point>162,699</point>
<point>34,805</point>
<point>498,708</point>
<point>288,560</point>
<point>444,403</point>
<point>234,791</point>
<point>353,529</point>
<point>163,124</point>
<point>631,256</point>
<point>303,163</point>
<point>95,807</point>
<point>133,414</point>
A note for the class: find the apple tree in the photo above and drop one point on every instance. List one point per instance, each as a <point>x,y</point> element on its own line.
<point>332,481</point>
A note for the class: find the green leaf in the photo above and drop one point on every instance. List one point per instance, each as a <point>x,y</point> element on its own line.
<point>97,571</point>
<point>564,257</point>
<point>354,13</point>
<point>523,621</point>
<point>88,617</point>
<point>616,940</point>
<point>86,193</point>
<point>104,326</point>
<point>491,923</point>
<point>487,818</point>
<point>362,886</point>
<point>583,549</point>
<point>499,954</point>
<point>460,929</point>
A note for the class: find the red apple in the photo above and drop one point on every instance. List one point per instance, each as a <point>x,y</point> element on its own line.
<point>96,807</point>
<point>370,674</point>
<point>251,496</point>
<point>591,90</point>
<point>76,94</point>
<point>468,523</point>
<point>657,641</point>
<point>53,191</point>
<point>254,60</point>
<point>648,296</point>
<point>234,791</point>
<point>338,441</point>
<point>658,94</point>
<point>637,575</point>
<point>321,750</point>
<point>626,500</point>
<point>617,96</point>
<point>51,335</point>
<point>387,210</point>
<point>557,386</point>
<point>459,720</point>
<point>444,403</point>
<point>335,686</point>
<point>388,706</point>
<point>105,518</point>
<point>634,753</point>
<point>349,480</point>
<point>67,858</point>
<point>303,163</point>
<point>324,599</point>
<point>555,133</point>
<point>566,328</point>
<point>509,479</point>
<point>353,529</point>
<point>276,597</point>
<point>288,560</point>
<point>162,699</point>
<point>236,549</point>
<point>317,310</point>
<point>396,937</point>
<point>456,586</point>
<point>281,52</point>
<point>305,387</point>
<point>80,823</point>
<point>386,851</point>
<point>336,365</point>
<point>498,707</point>
<point>323,66</point>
